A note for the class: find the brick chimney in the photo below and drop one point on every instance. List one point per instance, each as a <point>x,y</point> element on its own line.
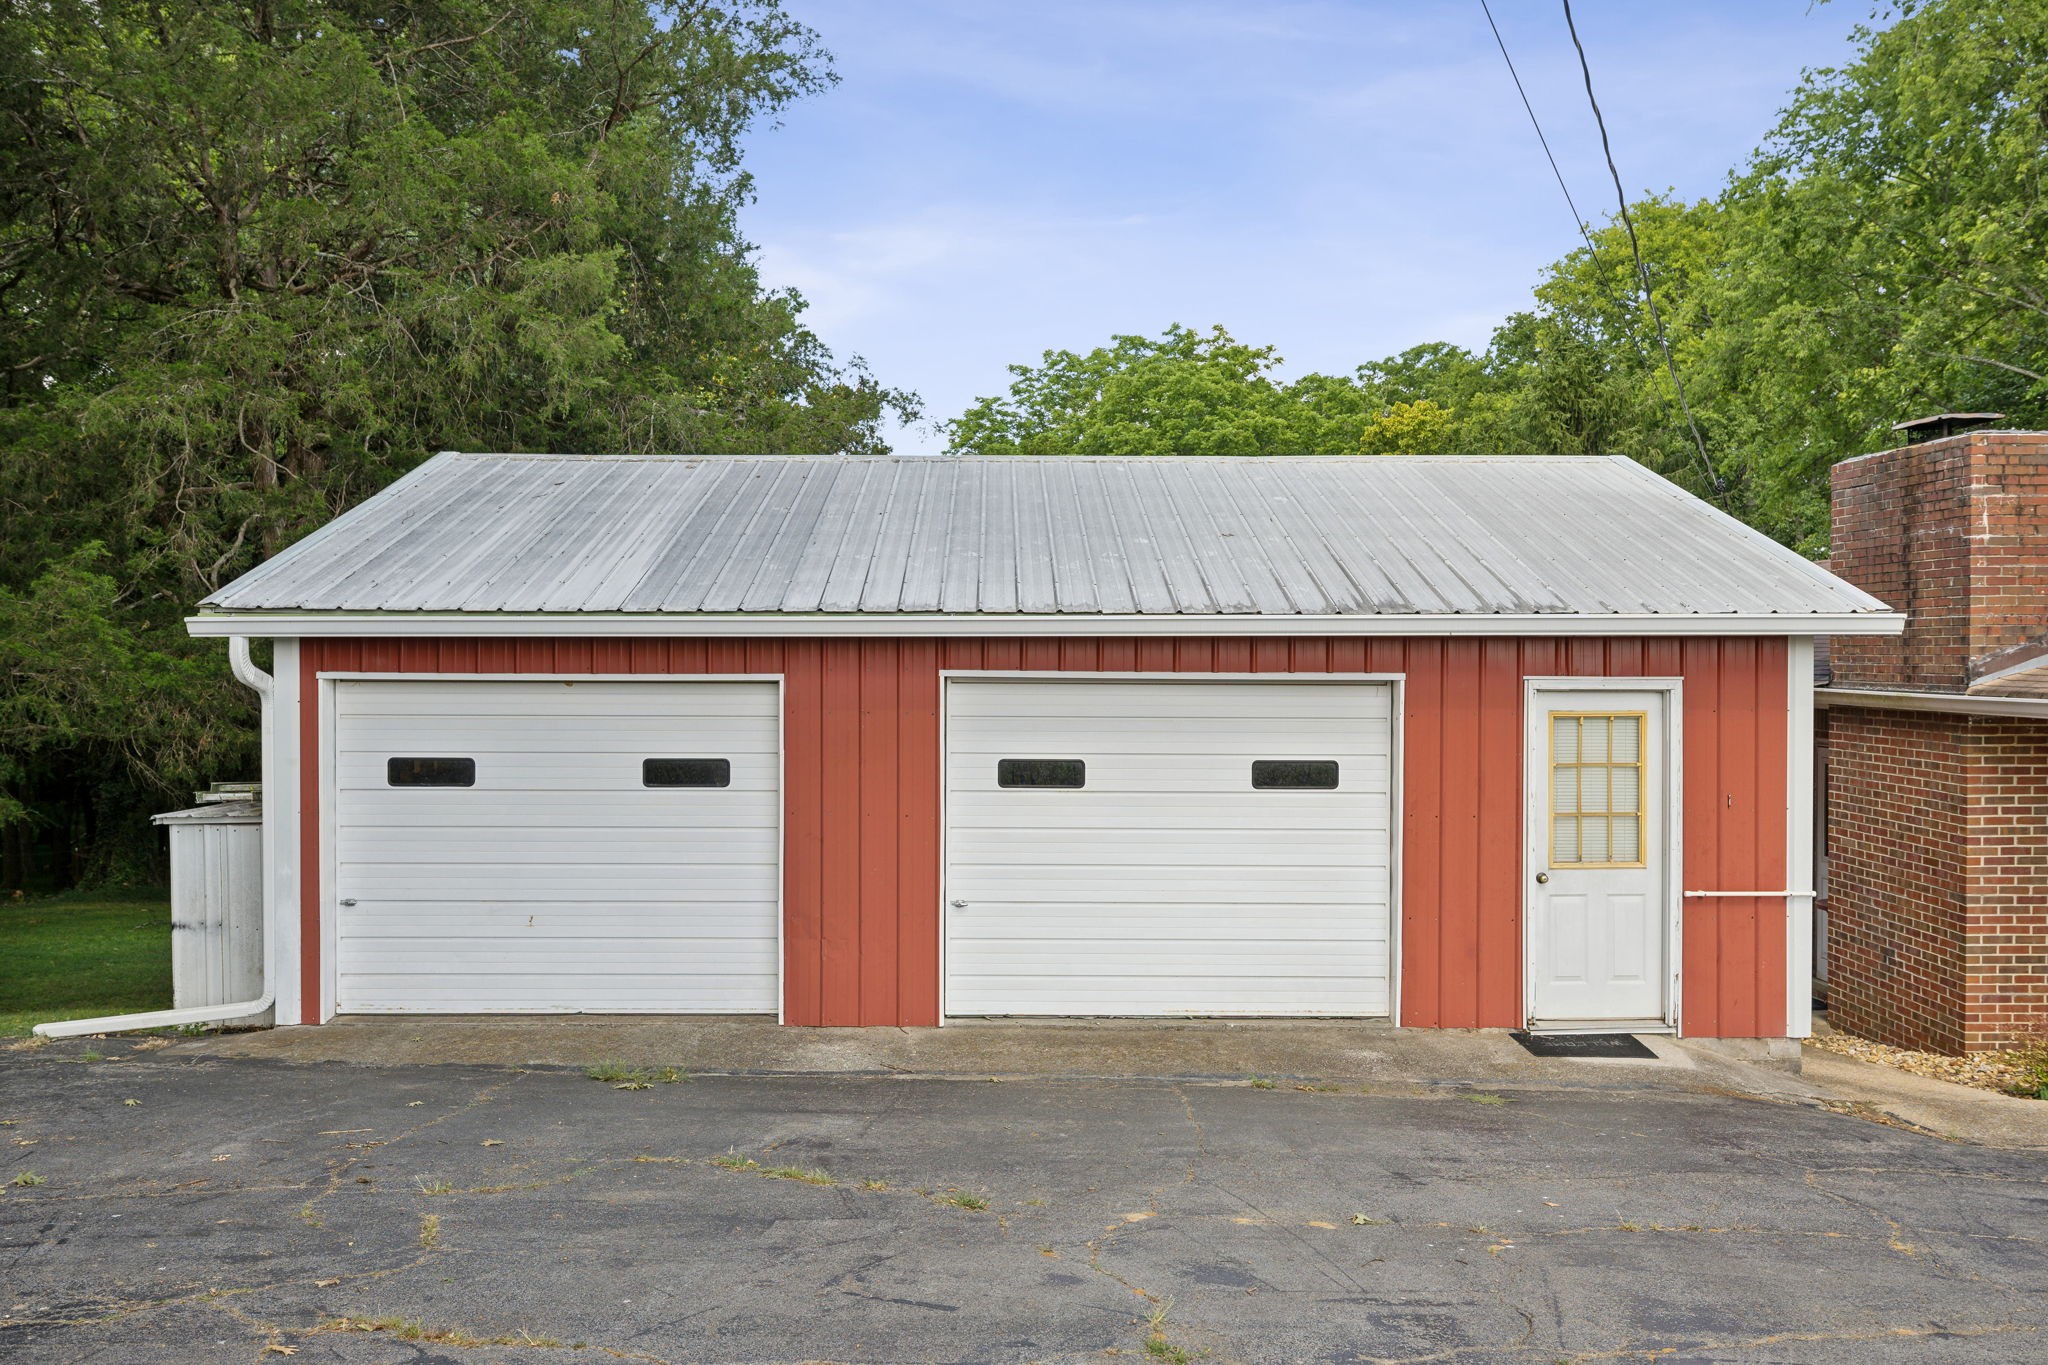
<point>1954,532</point>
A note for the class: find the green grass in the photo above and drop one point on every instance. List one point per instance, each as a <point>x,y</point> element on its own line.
<point>82,954</point>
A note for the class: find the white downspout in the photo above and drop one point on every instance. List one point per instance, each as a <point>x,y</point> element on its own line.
<point>246,670</point>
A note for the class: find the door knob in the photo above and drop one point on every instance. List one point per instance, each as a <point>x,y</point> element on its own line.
<point>1542,878</point>
<point>959,905</point>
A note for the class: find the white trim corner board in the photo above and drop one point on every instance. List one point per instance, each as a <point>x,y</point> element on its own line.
<point>1799,857</point>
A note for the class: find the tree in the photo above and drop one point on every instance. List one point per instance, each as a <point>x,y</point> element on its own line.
<point>1887,250</point>
<point>1207,393</point>
<point>1423,427</point>
<point>1188,392</point>
<point>260,257</point>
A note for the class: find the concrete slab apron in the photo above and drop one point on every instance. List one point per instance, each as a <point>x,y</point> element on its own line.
<point>1129,1049</point>
<point>376,1213</point>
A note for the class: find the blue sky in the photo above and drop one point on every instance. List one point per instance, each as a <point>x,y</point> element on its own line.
<point>1339,178</point>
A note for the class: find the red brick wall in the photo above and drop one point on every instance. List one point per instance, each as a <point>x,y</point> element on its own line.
<point>1897,533</point>
<point>2008,542</point>
<point>1937,878</point>
<point>2005,863</point>
<point>1895,876</point>
<point>1938,824</point>
<point>1955,533</point>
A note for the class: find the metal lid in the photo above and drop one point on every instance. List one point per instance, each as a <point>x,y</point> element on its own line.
<point>214,813</point>
<point>1942,424</point>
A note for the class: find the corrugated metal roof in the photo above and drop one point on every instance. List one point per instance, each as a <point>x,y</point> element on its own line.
<point>1316,536</point>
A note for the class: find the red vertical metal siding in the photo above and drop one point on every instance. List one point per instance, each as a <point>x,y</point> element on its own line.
<point>862,773</point>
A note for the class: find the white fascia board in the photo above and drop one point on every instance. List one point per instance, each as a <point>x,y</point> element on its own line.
<point>1955,703</point>
<point>901,625</point>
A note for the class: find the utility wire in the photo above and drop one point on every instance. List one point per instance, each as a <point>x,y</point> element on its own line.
<point>1635,248</point>
<point>1578,219</point>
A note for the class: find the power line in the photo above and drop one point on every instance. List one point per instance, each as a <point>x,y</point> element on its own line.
<point>1578,219</point>
<point>1635,248</point>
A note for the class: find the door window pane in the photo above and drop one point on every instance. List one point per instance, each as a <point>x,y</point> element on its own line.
<point>686,772</point>
<point>430,772</point>
<point>1596,788</point>
<point>1041,772</point>
<point>1564,789</point>
<point>1301,774</point>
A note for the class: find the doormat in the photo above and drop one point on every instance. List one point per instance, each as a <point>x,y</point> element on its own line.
<point>1584,1045</point>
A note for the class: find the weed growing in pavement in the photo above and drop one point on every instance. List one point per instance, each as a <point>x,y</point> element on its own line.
<point>732,1161</point>
<point>1156,1344</point>
<point>619,1076</point>
<point>804,1174</point>
<point>960,1199</point>
<point>2031,1057</point>
<point>408,1329</point>
<point>430,1230</point>
<point>26,1179</point>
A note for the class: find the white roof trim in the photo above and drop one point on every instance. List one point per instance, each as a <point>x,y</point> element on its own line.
<point>1957,703</point>
<point>299,625</point>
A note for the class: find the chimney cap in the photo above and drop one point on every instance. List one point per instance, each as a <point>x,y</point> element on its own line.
<point>1945,424</point>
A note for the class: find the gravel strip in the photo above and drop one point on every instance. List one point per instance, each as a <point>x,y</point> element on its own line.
<point>1985,1070</point>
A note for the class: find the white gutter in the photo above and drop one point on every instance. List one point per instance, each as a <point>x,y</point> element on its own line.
<point>928,625</point>
<point>246,670</point>
<point>1955,703</point>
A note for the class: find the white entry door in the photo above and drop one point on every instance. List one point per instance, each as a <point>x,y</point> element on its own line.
<point>1599,898</point>
<point>1167,848</point>
<point>604,846</point>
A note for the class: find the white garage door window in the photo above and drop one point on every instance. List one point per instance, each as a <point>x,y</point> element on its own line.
<point>1174,879</point>
<point>569,873</point>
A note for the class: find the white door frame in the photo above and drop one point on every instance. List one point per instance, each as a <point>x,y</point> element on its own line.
<point>1534,841</point>
<point>330,908</point>
<point>1396,723</point>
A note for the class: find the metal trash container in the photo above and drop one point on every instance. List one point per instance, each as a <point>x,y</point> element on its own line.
<point>217,897</point>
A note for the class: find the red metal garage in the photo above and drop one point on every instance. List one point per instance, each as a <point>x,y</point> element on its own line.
<point>1463,742</point>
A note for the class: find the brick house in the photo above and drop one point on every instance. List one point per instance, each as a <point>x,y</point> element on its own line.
<point>1933,754</point>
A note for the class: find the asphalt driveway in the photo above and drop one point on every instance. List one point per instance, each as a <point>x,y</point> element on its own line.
<point>205,1208</point>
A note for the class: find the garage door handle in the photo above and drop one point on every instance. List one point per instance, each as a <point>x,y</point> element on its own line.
<point>959,905</point>
<point>348,900</point>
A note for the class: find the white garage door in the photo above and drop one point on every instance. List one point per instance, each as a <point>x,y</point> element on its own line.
<point>1167,848</point>
<point>535,846</point>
